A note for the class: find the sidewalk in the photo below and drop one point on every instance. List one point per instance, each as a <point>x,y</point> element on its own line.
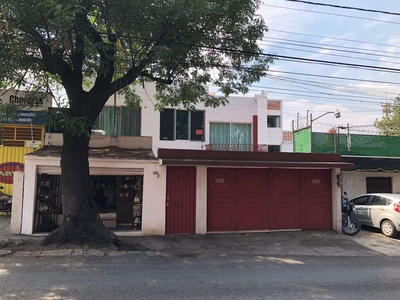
<point>292,243</point>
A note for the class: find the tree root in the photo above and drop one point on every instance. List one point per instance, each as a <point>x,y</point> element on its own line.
<point>95,236</point>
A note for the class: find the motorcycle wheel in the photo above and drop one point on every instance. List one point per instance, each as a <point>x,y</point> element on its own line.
<point>351,228</point>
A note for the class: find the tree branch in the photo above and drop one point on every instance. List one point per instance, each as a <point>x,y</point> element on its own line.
<point>157,79</point>
<point>106,51</point>
<point>77,55</point>
<point>52,61</point>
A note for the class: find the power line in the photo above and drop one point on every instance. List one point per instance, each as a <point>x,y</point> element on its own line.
<point>331,94</point>
<point>334,47</point>
<point>334,63</point>
<point>307,94</point>
<point>322,85</point>
<point>334,77</point>
<point>347,7</point>
<point>332,14</point>
<point>333,38</point>
<point>331,54</point>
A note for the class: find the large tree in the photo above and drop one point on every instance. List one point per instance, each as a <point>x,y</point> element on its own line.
<point>94,48</point>
<point>390,122</point>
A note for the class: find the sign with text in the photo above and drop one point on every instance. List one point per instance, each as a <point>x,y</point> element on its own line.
<point>27,117</point>
<point>26,100</point>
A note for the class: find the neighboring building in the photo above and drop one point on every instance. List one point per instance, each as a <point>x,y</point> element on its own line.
<point>179,172</point>
<point>23,135</point>
<point>376,157</point>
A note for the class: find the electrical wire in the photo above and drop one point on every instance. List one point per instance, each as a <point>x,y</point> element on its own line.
<point>333,38</point>
<point>347,7</point>
<point>331,14</point>
<point>334,55</point>
<point>373,52</point>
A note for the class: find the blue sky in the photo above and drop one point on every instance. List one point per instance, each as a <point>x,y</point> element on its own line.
<point>332,34</point>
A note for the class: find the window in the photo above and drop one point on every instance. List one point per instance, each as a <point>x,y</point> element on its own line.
<point>230,134</point>
<point>17,136</point>
<point>363,200</point>
<point>274,121</point>
<point>377,200</point>
<point>379,185</point>
<point>121,120</point>
<point>181,125</point>
<point>274,148</point>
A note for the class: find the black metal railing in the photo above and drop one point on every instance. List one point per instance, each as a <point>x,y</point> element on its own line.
<point>238,147</point>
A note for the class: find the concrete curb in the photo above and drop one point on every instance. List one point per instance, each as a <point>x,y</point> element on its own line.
<point>74,253</point>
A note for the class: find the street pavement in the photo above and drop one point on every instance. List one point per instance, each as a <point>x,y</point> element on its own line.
<point>275,265</point>
<point>282,243</point>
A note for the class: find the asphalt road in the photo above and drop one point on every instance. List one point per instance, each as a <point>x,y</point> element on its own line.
<point>139,276</point>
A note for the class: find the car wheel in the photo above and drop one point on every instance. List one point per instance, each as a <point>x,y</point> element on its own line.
<point>388,229</point>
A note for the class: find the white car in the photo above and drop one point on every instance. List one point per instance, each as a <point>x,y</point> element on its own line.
<point>380,210</point>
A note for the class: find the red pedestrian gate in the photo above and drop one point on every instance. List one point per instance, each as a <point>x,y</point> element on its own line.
<point>181,200</point>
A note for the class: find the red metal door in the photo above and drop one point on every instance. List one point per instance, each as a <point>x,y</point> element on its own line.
<point>181,200</point>
<point>284,194</point>
<point>315,199</point>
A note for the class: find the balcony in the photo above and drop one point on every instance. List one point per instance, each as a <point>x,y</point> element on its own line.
<point>238,147</point>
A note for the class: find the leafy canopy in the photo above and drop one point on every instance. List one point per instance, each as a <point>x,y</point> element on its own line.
<point>390,122</point>
<point>111,44</point>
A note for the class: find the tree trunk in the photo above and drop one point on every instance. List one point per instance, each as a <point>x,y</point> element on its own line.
<point>81,220</point>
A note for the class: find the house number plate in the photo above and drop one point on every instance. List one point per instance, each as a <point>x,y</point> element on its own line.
<point>219,180</point>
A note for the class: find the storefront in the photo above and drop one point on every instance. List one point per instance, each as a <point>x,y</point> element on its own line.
<point>119,200</point>
<point>122,182</point>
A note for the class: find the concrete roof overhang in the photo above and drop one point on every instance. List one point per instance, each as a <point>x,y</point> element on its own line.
<point>251,159</point>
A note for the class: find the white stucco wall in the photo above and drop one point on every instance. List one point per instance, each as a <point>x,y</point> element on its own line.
<point>240,109</point>
<point>355,183</point>
<point>154,187</point>
<point>287,146</point>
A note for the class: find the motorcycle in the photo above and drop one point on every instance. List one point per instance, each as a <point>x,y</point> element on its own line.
<point>350,225</point>
<point>5,202</point>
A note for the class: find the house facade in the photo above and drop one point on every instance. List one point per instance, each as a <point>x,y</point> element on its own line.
<point>242,124</point>
<point>179,172</point>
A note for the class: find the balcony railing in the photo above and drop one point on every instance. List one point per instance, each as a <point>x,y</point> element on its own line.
<point>238,147</point>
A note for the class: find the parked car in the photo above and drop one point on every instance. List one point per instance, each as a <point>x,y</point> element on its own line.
<point>380,210</point>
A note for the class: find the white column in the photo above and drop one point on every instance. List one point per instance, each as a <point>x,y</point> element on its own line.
<point>154,189</point>
<point>29,193</point>
<point>336,202</point>
<point>17,200</point>
<point>201,200</point>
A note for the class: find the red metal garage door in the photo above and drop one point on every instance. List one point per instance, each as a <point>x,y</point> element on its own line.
<point>263,199</point>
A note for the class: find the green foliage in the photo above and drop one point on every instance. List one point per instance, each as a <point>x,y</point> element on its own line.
<point>390,122</point>
<point>61,119</point>
<point>115,43</point>
<point>8,112</point>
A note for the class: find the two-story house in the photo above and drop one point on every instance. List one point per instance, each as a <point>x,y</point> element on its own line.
<point>194,172</point>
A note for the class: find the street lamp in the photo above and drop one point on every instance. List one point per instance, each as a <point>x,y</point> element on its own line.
<point>336,113</point>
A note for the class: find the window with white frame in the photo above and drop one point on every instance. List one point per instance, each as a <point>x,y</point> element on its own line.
<point>274,121</point>
<point>230,134</point>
